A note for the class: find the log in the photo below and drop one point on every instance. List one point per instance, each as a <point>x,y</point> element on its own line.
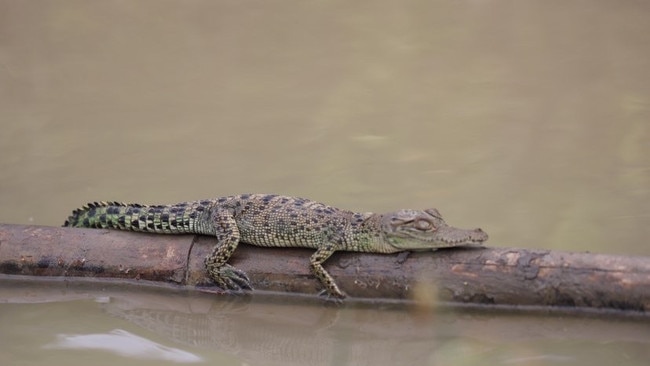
<point>487,276</point>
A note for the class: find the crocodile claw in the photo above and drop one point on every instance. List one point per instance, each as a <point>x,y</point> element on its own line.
<point>336,298</point>
<point>230,278</point>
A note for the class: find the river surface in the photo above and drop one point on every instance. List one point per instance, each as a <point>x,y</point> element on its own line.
<point>72,323</point>
<point>529,119</point>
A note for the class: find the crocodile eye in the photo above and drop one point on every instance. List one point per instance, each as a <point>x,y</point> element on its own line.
<point>423,225</point>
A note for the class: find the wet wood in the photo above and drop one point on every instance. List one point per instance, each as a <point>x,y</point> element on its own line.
<point>494,276</point>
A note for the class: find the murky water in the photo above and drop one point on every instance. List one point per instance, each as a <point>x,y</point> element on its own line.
<point>77,324</point>
<point>528,119</point>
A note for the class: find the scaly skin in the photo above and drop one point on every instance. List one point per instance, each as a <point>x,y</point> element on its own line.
<point>280,221</point>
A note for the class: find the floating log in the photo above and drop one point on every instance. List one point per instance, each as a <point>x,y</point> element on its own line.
<point>489,276</point>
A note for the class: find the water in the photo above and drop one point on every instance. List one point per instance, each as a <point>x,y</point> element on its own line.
<point>528,119</point>
<point>104,324</point>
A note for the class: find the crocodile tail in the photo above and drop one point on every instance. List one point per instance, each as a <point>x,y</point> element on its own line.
<point>100,215</point>
<point>172,219</point>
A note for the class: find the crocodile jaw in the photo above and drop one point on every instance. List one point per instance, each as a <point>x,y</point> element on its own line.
<point>443,238</point>
<point>422,230</point>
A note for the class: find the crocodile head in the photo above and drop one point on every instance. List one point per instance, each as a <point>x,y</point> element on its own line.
<point>422,230</point>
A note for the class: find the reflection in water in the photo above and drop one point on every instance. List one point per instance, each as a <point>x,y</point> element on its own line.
<point>123,343</point>
<point>268,333</point>
<point>279,330</point>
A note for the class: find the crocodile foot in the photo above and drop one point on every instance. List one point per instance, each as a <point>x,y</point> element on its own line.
<point>230,278</point>
<point>336,297</point>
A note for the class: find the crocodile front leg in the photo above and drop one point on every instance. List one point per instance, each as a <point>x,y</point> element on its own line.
<point>317,269</point>
<point>224,275</point>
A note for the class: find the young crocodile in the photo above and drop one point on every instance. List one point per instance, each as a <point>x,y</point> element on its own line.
<point>280,221</point>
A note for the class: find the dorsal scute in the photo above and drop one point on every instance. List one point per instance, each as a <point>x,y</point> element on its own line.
<point>107,203</point>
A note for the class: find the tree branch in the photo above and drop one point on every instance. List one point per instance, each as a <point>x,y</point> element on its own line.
<point>495,276</point>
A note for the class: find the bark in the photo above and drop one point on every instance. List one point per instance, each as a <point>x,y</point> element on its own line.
<point>494,276</point>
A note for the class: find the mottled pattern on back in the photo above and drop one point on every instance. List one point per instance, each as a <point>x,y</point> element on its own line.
<point>278,221</point>
<point>262,219</point>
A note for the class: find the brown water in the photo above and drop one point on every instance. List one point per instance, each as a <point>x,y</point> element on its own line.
<point>76,324</point>
<point>528,119</point>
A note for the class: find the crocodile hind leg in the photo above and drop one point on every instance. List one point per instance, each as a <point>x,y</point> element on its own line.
<point>223,274</point>
<point>317,269</point>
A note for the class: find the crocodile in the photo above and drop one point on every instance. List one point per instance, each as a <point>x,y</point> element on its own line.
<point>269,220</point>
